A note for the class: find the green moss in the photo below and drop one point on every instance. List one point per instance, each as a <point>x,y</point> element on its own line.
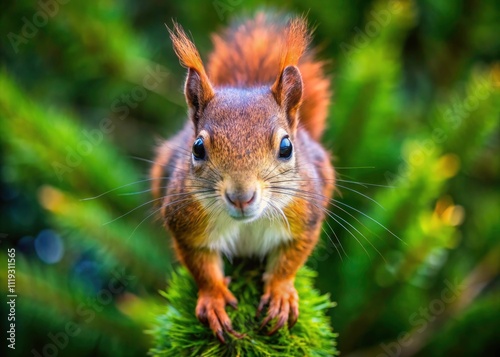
<point>178,332</point>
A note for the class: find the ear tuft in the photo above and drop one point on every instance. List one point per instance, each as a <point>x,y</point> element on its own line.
<point>297,39</point>
<point>185,49</point>
<point>198,89</point>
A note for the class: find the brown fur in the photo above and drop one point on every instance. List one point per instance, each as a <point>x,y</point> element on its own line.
<point>262,83</point>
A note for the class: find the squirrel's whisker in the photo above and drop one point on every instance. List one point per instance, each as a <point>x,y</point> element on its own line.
<point>152,214</point>
<point>160,208</point>
<point>331,214</point>
<point>177,209</point>
<point>117,188</point>
<point>216,210</point>
<point>333,243</point>
<point>177,147</point>
<point>179,169</point>
<point>151,201</point>
<point>374,220</point>
<point>280,214</point>
<point>137,192</point>
<point>364,183</point>
<point>269,172</point>
<point>132,210</point>
<point>213,168</point>
<point>148,216</point>
<point>194,178</point>
<point>333,201</point>
<point>361,194</point>
<point>203,196</point>
<point>354,167</point>
<point>200,187</point>
<point>313,195</point>
<point>279,173</point>
<point>141,159</point>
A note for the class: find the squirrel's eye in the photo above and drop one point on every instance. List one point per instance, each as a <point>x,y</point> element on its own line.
<point>199,149</point>
<point>285,148</point>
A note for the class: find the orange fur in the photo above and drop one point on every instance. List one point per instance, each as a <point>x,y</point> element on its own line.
<point>185,49</point>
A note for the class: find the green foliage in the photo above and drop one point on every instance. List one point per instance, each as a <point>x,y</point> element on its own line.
<point>179,333</point>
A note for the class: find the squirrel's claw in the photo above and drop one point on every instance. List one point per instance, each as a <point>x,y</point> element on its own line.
<point>229,329</point>
<point>220,337</point>
<point>264,300</point>
<point>283,305</point>
<point>294,315</point>
<point>211,310</point>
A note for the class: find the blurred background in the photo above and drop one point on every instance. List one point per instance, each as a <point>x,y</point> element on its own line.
<point>88,88</point>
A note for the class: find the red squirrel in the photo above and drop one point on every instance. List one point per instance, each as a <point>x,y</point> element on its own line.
<point>247,176</point>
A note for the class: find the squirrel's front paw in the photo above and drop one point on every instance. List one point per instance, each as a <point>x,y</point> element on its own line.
<point>210,310</point>
<point>283,303</point>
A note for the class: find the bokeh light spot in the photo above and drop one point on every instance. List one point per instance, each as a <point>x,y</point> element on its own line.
<point>49,246</point>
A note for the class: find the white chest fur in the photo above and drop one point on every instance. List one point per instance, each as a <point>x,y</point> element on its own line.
<point>239,239</point>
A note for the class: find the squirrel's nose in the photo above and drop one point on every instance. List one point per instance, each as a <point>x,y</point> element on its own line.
<point>241,199</point>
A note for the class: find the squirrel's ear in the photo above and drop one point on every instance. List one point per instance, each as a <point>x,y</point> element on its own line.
<point>198,91</point>
<point>288,93</point>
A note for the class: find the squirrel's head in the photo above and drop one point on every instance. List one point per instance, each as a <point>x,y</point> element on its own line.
<point>244,137</point>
